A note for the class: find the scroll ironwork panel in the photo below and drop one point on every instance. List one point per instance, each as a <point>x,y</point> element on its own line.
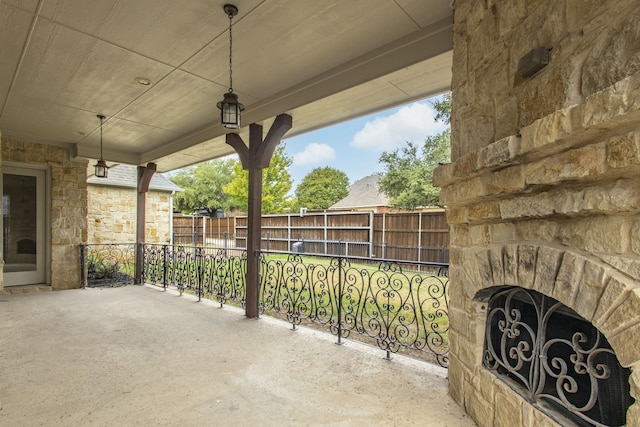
<point>398,310</point>
<point>555,358</point>
<point>111,264</point>
<point>154,264</point>
<point>297,290</point>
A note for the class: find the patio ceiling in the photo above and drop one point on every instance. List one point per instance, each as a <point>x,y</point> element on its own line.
<point>322,61</point>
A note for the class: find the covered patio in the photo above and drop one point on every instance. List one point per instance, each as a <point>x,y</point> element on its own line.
<point>136,355</point>
<point>542,197</point>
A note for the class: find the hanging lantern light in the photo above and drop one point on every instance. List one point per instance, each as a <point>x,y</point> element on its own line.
<point>229,107</point>
<point>101,168</point>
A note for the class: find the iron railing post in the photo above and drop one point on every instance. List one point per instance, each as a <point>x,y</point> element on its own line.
<point>143,264</point>
<point>83,274</point>
<point>339,302</point>
<point>199,264</point>
<point>138,263</point>
<point>165,267</point>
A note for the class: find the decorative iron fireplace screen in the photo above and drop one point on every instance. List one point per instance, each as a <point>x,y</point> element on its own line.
<point>556,359</point>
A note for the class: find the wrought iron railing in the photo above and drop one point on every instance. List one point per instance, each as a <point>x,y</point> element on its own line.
<point>398,310</point>
<point>216,273</point>
<point>107,264</point>
<point>394,308</point>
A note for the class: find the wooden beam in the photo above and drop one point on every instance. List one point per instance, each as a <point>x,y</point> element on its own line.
<point>145,173</point>
<point>234,140</point>
<point>280,126</point>
<point>144,176</point>
<point>254,158</point>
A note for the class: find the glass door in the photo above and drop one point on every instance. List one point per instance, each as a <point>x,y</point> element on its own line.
<point>23,211</point>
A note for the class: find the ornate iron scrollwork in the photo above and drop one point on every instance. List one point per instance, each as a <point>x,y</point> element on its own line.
<point>555,359</point>
<point>399,310</point>
<point>396,309</point>
<point>108,264</point>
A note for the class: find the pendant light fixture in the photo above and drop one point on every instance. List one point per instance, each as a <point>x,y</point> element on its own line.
<point>229,107</point>
<point>101,168</point>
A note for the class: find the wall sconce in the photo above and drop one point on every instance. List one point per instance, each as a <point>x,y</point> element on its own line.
<point>533,61</point>
<point>229,107</point>
<point>101,169</point>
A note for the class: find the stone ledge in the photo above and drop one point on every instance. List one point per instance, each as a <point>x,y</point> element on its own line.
<point>612,111</point>
<point>619,196</point>
<point>602,164</point>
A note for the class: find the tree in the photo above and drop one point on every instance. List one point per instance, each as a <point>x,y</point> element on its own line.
<point>322,187</point>
<point>443,108</point>
<point>409,169</point>
<point>203,186</point>
<point>276,184</point>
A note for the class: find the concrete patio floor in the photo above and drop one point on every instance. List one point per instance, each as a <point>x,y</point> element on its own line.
<point>138,356</point>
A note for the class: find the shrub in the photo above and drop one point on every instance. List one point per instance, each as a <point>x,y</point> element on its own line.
<point>98,268</point>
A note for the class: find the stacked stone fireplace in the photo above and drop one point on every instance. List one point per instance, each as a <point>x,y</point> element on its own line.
<point>543,201</point>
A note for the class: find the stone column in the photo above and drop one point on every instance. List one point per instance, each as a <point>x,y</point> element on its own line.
<point>543,189</point>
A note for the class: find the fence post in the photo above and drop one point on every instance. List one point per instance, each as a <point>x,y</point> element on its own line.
<point>194,239</point>
<point>204,231</point>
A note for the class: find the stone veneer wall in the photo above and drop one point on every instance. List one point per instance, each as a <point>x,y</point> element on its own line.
<point>68,216</point>
<point>543,191</point>
<point>112,215</point>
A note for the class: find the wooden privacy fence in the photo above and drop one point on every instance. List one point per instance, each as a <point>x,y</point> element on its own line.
<point>201,230</point>
<point>410,236</point>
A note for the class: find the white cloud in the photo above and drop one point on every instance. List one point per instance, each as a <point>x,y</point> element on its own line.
<point>314,153</point>
<point>413,123</point>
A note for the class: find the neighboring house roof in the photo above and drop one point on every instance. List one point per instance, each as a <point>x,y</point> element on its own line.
<point>126,176</point>
<point>363,193</point>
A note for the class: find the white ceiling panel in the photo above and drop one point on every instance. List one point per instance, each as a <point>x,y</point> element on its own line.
<point>72,69</point>
<point>26,5</point>
<point>425,14</point>
<point>13,34</point>
<point>122,137</point>
<point>298,39</point>
<point>169,31</point>
<point>180,102</point>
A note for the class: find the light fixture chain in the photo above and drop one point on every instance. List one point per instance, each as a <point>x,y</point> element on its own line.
<point>101,119</point>
<point>230,54</point>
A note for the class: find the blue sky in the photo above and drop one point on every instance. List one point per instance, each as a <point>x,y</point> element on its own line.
<point>354,147</point>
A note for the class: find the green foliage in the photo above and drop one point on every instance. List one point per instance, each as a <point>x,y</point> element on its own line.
<point>203,186</point>
<point>443,108</point>
<point>276,184</point>
<point>322,187</point>
<point>98,268</point>
<point>409,169</point>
